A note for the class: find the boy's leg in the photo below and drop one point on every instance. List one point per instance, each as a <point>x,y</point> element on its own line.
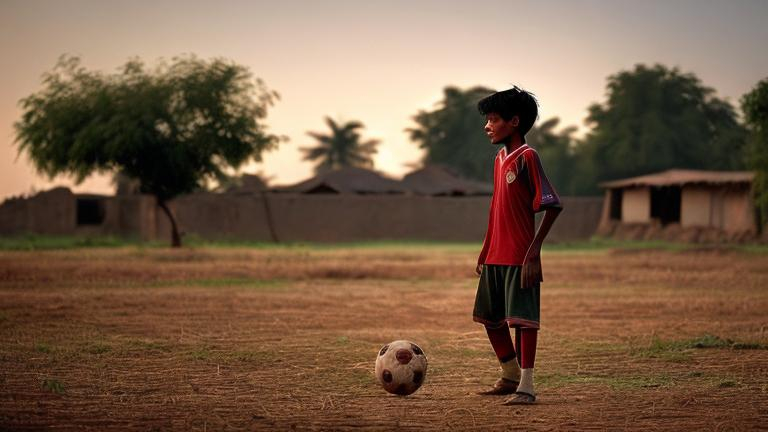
<point>528,338</point>
<point>525,393</point>
<point>501,341</point>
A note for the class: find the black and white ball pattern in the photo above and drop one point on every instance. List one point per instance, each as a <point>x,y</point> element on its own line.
<point>401,367</point>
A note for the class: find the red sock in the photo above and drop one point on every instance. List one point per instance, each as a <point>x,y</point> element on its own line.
<point>501,342</point>
<point>517,345</point>
<point>528,347</point>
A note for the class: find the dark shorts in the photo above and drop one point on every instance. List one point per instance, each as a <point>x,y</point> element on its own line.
<point>501,301</point>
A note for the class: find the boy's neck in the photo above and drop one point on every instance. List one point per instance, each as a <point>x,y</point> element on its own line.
<point>512,143</point>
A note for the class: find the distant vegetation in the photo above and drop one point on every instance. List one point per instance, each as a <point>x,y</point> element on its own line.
<point>342,147</point>
<point>452,133</point>
<point>755,107</point>
<point>596,244</point>
<point>654,118</point>
<point>170,129</point>
<point>42,242</point>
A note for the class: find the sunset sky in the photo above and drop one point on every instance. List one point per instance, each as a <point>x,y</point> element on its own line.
<point>379,61</point>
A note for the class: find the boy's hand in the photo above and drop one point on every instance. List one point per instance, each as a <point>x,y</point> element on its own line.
<point>479,269</point>
<point>531,268</point>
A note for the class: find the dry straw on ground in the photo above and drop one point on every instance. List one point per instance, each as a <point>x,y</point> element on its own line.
<point>282,338</point>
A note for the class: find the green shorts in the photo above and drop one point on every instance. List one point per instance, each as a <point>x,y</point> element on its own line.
<point>501,301</point>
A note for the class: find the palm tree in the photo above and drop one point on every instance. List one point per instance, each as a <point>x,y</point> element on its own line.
<point>341,148</point>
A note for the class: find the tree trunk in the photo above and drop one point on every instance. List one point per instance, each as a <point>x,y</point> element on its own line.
<point>175,237</point>
<point>268,213</point>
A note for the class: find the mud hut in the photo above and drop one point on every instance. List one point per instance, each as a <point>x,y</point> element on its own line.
<point>439,180</point>
<point>248,184</point>
<point>686,205</point>
<point>349,180</point>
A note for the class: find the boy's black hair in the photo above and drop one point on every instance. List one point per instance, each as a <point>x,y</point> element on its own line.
<point>510,103</point>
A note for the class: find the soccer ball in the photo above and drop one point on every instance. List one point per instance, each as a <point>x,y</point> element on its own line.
<point>401,367</point>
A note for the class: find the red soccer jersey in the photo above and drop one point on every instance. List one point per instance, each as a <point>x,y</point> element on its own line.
<point>520,189</point>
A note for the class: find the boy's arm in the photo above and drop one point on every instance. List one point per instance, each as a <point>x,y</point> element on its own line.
<point>483,254</point>
<point>486,243</point>
<point>532,262</point>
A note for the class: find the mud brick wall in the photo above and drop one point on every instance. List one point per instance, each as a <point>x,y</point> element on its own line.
<point>331,218</point>
<point>51,213</point>
<point>294,217</point>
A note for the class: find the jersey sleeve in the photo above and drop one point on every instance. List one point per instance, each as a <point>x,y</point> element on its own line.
<point>543,193</point>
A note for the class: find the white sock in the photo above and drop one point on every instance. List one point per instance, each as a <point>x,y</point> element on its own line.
<point>510,370</point>
<point>526,382</point>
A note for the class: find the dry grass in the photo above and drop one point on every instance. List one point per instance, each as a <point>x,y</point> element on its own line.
<point>239,339</point>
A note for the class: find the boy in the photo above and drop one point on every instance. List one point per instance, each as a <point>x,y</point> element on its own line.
<point>509,265</point>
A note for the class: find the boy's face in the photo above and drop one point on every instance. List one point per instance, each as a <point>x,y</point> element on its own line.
<point>498,129</point>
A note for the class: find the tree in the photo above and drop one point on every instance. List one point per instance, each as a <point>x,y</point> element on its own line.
<point>452,133</point>
<point>657,118</point>
<point>556,150</point>
<point>340,148</point>
<point>171,128</point>
<point>755,107</point>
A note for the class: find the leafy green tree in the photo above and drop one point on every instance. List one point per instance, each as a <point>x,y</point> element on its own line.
<point>171,128</point>
<point>583,179</point>
<point>556,152</point>
<point>657,118</point>
<point>452,133</point>
<point>341,147</point>
<point>755,107</point>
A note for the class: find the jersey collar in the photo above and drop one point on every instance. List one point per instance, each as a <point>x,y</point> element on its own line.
<point>503,156</point>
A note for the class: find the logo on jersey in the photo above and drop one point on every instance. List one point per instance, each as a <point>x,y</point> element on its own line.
<point>510,177</point>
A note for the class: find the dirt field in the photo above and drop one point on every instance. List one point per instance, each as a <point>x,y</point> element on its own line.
<point>286,338</point>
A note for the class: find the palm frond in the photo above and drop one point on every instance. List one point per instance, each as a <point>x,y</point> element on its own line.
<point>343,146</point>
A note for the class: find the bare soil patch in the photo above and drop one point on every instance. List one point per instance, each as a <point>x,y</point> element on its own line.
<point>280,339</point>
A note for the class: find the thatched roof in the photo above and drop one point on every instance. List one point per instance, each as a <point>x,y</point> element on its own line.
<point>346,181</point>
<point>441,180</point>
<point>680,177</point>
<point>248,183</point>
